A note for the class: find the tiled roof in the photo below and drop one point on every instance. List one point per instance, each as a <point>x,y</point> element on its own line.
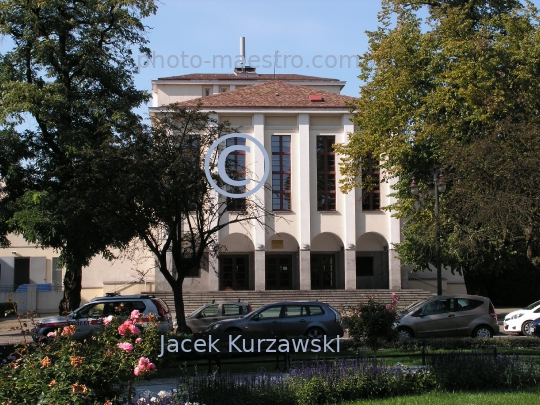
<point>275,94</point>
<point>248,76</point>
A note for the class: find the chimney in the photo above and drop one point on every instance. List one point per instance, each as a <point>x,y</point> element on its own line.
<point>244,70</point>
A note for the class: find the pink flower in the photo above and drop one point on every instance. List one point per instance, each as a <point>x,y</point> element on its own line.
<point>133,329</point>
<point>123,329</point>
<point>125,346</point>
<point>128,327</point>
<point>51,334</point>
<point>108,320</point>
<point>144,366</point>
<point>388,306</point>
<point>135,314</point>
<point>138,340</point>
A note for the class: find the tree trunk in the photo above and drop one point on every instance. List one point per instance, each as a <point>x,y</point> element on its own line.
<point>72,287</point>
<point>474,284</point>
<point>179,306</point>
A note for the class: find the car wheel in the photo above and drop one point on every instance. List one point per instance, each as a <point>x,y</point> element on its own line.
<point>526,328</point>
<point>404,333</point>
<point>483,332</point>
<point>315,333</point>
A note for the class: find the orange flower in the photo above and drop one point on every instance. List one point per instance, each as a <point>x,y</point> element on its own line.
<point>76,361</point>
<point>69,330</point>
<point>79,388</point>
<point>108,403</point>
<point>46,362</point>
<point>53,382</point>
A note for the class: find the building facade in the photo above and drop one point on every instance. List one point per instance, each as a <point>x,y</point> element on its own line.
<point>320,237</point>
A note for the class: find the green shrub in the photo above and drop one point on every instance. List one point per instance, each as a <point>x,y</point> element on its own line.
<point>459,343</point>
<point>371,323</point>
<point>459,371</point>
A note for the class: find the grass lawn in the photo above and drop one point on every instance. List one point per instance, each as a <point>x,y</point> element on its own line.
<point>461,398</point>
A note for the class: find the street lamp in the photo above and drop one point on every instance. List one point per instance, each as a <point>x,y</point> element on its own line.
<point>439,186</point>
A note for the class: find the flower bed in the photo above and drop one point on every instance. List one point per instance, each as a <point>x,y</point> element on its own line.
<point>99,370</point>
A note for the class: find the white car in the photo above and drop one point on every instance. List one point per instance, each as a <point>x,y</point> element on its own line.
<point>522,319</point>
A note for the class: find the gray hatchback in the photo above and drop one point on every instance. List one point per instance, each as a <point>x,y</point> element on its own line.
<point>446,316</point>
<point>312,319</point>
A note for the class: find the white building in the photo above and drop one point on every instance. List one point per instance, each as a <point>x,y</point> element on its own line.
<point>323,239</point>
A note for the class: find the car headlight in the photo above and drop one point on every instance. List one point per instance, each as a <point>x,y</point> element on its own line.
<point>516,316</point>
<point>213,326</point>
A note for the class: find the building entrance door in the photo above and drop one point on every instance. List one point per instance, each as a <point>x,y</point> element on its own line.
<point>278,272</point>
<point>323,271</point>
<point>234,273</point>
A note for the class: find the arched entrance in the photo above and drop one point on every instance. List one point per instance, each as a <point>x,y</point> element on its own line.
<point>281,263</point>
<point>327,268</point>
<point>372,271</point>
<point>236,269</point>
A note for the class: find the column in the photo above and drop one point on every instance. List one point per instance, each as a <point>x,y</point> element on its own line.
<point>213,261</point>
<point>394,264</point>
<point>259,231</point>
<point>304,208</point>
<point>349,220</point>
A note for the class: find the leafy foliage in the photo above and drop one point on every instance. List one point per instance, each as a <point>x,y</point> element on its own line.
<point>68,81</point>
<point>457,90</point>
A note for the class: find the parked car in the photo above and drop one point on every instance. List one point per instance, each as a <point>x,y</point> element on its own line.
<point>521,320</point>
<point>312,319</point>
<point>90,316</point>
<point>535,327</point>
<point>200,319</point>
<point>446,316</point>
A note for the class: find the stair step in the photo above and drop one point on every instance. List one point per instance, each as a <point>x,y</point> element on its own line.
<point>339,299</point>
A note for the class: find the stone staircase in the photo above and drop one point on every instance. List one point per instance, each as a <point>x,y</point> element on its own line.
<point>339,299</point>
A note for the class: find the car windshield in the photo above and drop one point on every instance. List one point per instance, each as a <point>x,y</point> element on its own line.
<point>533,305</point>
<point>413,306</point>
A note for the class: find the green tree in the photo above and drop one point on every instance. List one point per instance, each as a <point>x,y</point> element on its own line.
<point>69,80</point>
<point>439,89</point>
<point>159,189</point>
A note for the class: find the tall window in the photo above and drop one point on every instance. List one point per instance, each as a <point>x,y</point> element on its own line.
<point>326,174</point>
<point>191,153</point>
<point>370,176</point>
<point>236,169</point>
<point>281,172</point>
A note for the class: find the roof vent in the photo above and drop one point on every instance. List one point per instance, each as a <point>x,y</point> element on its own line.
<point>315,97</point>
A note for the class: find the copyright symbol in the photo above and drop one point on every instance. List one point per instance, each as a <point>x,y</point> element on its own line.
<point>222,170</point>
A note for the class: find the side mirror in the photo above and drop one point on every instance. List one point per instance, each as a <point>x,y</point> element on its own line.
<point>419,313</point>
<point>255,318</point>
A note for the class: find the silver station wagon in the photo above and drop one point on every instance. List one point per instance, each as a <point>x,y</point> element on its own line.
<point>90,316</point>
<point>313,319</point>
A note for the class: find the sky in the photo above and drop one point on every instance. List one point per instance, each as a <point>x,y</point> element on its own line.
<point>314,36</point>
<point>299,29</point>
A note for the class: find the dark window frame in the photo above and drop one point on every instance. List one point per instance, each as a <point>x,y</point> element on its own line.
<point>238,173</point>
<point>371,200</point>
<point>279,188</point>
<point>326,188</point>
